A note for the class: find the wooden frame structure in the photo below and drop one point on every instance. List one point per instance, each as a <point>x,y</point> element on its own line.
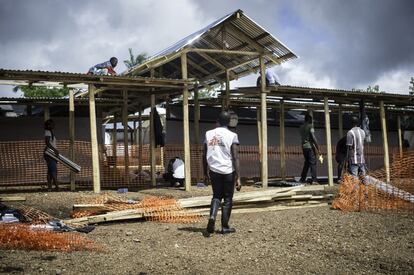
<point>114,93</point>
<point>229,48</point>
<point>326,100</point>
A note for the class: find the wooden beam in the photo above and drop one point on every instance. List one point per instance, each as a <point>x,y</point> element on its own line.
<point>196,116</point>
<point>126,133</point>
<point>328,142</point>
<point>259,136</point>
<point>230,52</point>
<point>46,113</point>
<point>227,89</point>
<point>241,35</point>
<point>340,122</point>
<point>140,140</point>
<point>263,116</point>
<point>186,126</point>
<point>399,132</point>
<point>94,142</point>
<point>282,140</point>
<point>72,136</point>
<point>152,142</point>
<point>385,141</point>
<point>216,63</point>
<point>114,140</point>
<point>12,198</point>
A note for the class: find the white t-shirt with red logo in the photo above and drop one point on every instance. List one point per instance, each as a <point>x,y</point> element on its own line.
<point>219,142</point>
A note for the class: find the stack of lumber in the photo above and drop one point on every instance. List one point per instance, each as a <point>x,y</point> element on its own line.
<point>272,199</point>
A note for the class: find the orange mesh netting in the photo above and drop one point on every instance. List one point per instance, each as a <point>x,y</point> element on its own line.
<point>161,209</point>
<point>35,216</point>
<point>22,236</point>
<point>355,196</point>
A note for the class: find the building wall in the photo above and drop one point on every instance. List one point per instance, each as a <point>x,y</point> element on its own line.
<point>248,134</point>
<point>32,128</point>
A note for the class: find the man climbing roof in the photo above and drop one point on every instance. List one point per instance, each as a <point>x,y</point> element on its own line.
<point>105,68</point>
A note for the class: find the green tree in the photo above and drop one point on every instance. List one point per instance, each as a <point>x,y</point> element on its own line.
<point>374,89</point>
<point>38,91</point>
<point>411,87</point>
<point>135,60</point>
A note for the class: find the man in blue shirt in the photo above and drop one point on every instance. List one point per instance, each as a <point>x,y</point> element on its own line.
<point>271,78</point>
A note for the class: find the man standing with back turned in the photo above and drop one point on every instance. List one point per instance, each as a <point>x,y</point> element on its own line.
<point>355,144</point>
<point>221,168</point>
<point>310,148</point>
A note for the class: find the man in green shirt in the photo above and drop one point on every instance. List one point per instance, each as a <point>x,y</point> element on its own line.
<point>309,147</point>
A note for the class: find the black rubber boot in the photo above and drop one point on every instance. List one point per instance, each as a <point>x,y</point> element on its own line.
<point>225,217</point>
<point>215,205</point>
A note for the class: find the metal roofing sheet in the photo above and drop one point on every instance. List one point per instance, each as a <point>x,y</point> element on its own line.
<point>235,31</point>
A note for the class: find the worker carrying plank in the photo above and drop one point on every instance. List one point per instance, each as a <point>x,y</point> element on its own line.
<point>50,141</point>
<point>105,68</point>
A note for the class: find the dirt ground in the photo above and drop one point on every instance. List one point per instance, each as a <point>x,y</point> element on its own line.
<point>310,241</point>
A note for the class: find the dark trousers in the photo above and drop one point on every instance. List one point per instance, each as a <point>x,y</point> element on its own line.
<point>340,169</point>
<point>310,162</point>
<point>223,186</point>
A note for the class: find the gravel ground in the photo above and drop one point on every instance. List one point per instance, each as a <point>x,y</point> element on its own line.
<point>310,241</point>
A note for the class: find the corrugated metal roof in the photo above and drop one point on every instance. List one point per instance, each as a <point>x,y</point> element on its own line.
<point>235,31</point>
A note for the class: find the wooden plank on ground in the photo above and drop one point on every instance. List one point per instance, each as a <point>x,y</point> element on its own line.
<point>12,198</point>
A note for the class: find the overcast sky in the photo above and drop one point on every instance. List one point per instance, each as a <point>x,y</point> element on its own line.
<point>341,44</point>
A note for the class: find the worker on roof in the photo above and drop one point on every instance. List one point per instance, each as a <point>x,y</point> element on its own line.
<point>105,68</point>
<point>272,78</point>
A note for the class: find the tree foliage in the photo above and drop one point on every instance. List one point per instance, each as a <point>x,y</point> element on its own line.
<point>135,60</point>
<point>411,87</point>
<point>37,91</point>
<point>373,89</point>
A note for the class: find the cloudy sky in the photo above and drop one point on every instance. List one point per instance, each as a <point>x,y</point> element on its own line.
<point>341,44</point>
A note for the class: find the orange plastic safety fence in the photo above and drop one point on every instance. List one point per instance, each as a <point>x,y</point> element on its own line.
<point>354,195</point>
<point>22,163</point>
<point>25,237</point>
<point>35,216</point>
<point>161,209</point>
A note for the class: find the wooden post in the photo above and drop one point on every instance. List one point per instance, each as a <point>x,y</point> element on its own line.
<point>94,141</point>
<point>282,141</point>
<point>328,142</point>
<point>140,139</point>
<point>126,134</point>
<point>196,115</point>
<point>227,89</point>
<point>385,141</point>
<point>152,143</point>
<point>340,122</point>
<point>134,140</point>
<point>186,126</point>
<point>263,117</point>
<point>114,140</point>
<point>46,112</point>
<point>72,136</point>
<point>259,136</point>
<point>400,142</point>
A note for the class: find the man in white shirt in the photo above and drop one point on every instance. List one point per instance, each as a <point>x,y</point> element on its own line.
<point>355,144</point>
<point>175,172</point>
<point>221,168</point>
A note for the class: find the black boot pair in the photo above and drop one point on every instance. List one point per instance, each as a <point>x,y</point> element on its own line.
<point>225,216</point>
